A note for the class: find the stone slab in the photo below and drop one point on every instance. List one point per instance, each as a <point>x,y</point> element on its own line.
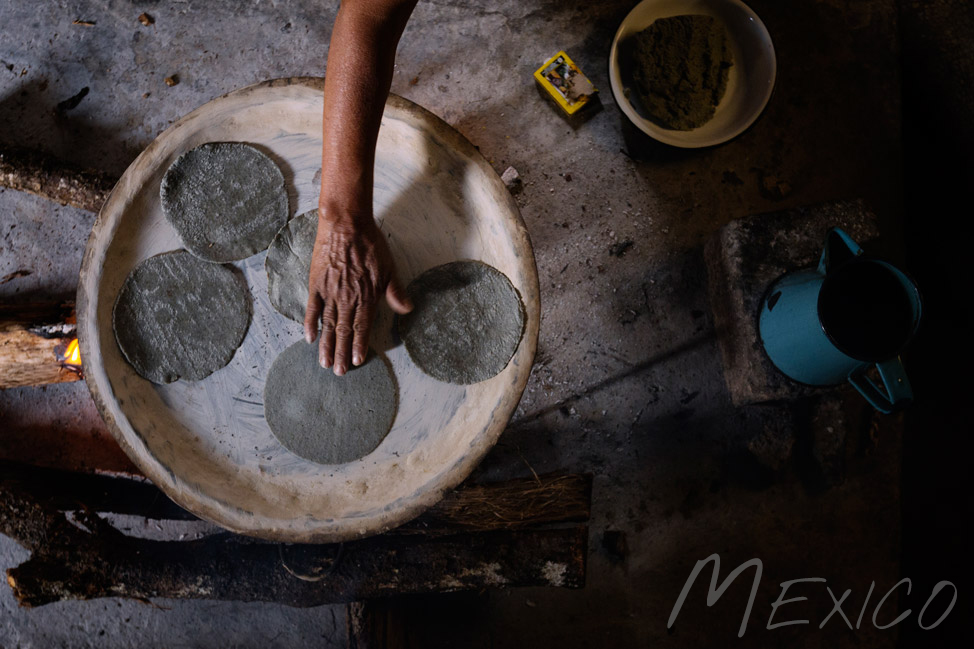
<point>743,258</point>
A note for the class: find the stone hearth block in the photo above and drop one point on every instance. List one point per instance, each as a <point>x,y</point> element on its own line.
<point>743,259</point>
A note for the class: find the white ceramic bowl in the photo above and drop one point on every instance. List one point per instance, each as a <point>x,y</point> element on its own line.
<point>750,82</point>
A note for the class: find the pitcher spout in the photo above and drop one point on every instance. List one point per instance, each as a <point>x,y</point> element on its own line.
<point>839,248</point>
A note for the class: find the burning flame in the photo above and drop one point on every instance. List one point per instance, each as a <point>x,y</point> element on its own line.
<point>72,355</point>
<point>69,356</point>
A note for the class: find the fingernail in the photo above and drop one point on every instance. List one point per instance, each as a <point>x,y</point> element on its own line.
<point>357,358</point>
<point>340,370</point>
<point>323,363</point>
<point>307,338</point>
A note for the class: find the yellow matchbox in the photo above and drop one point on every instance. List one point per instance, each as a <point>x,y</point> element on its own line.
<point>566,84</point>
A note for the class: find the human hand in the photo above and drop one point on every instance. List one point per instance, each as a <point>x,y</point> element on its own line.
<point>351,268</point>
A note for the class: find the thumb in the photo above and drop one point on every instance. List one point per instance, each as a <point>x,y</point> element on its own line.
<point>397,298</point>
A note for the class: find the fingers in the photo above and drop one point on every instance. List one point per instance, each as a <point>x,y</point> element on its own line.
<point>326,347</point>
<point>397,298</point>
<point>343,338</point>
<point>360,332</point>
<point>311,316</point>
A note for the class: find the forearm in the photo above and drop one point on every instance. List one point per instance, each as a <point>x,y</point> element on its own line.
<point>351,265</point>
<point>361,59</point>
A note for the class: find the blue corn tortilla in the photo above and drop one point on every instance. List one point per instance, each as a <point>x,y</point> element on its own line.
<point>467,322</point>
<point>179,317</point>
<point>325,418</point>
<point>226,200</point>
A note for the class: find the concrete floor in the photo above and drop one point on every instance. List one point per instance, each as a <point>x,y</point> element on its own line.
<point>628,381</point>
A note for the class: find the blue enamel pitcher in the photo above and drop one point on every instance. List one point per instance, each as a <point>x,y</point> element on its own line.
<point>838,322</point>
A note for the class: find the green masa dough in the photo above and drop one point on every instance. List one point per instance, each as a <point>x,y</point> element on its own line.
<point>179,317</point>
<point>680,69</point>
<point>467,322</point>
<point>325,418</point>
<point>288,264</point>
<point>225,199</point>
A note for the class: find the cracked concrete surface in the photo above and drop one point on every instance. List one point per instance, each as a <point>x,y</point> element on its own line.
<point>627,383</point>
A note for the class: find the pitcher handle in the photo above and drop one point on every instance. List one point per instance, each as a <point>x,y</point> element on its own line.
<point>896,391</point>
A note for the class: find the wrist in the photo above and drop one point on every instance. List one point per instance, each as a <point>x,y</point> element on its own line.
<point>335,214</point>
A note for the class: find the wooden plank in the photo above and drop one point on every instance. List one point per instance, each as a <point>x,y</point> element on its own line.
<point>466,542</point>
<point>77,564</point>
<point>375,624</point>
<point>511,504</point>
<point>29,337</point>
<point>68,491</point>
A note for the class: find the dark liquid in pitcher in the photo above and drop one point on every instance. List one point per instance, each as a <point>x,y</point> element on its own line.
<point>866,311</point>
